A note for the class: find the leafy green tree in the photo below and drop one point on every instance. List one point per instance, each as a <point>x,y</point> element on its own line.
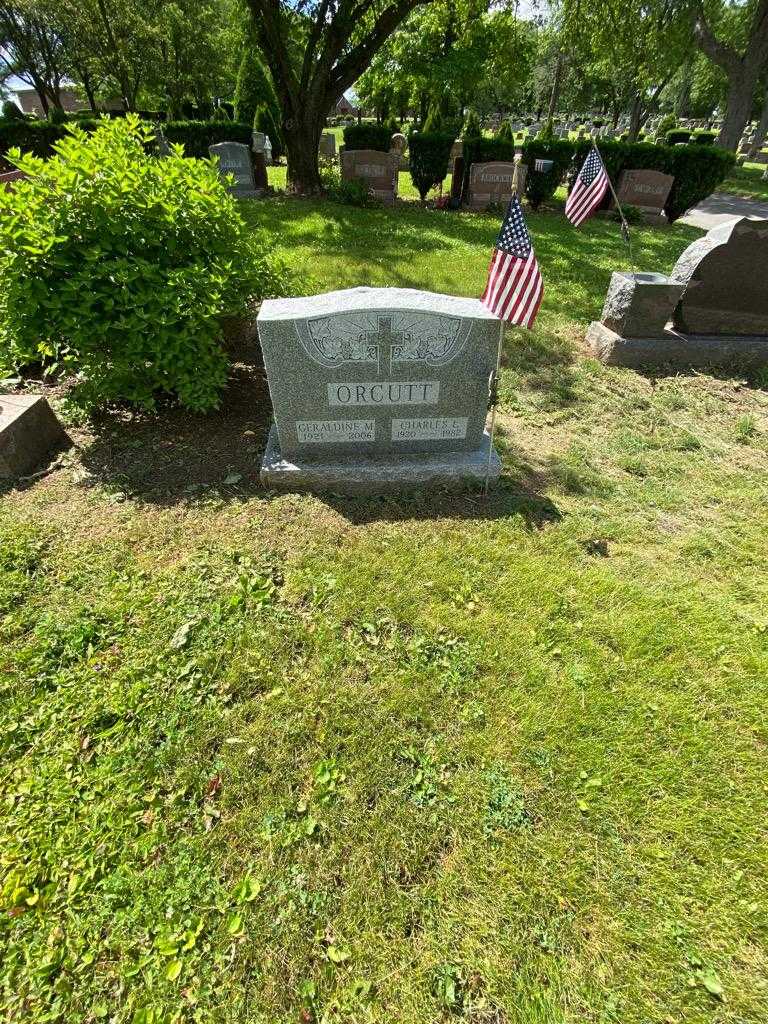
<point>735,38</point>
<point>254,85</point>
<point>315,50</point>
<point>264,121</point>
<point>31,49</point>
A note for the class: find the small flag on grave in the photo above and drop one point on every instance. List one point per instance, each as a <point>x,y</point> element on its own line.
<point>588,190</point>
<point>515,289</point>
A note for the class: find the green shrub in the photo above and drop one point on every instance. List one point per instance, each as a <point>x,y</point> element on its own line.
<point>254,90</point>
<point>368,136</point>
<point>433,122</point>
<point>429,154</point>
<point>676,136</point>
<point>697,170</point>
<point>197,136</point>
<point>117,267</point>
<point>482,150</point>
<point>505,130</point>
<point>348,193</point>
<point>540,185</point>
<point>666,124</point>
<point>12,111</point>
<point>704,138</point>
<point>57,116</point>
<point>472,128</point>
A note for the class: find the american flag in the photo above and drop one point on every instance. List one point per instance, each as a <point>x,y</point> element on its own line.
<point>588,190</point>
<point>515,289</point>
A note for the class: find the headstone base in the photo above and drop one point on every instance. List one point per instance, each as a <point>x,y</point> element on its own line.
<point>407,472</point>
<point>29,431</point>
<point>671,348</point>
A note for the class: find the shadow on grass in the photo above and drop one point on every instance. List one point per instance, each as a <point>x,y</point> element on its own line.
<point>173,457</point>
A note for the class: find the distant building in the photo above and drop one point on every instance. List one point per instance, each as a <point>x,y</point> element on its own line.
<point>30,102</point>
<point>345,108</point>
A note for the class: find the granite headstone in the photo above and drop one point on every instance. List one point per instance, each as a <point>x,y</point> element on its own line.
<point>29,431</point>
<point>378,170</point>
<point>235,161</point>
<point>647,190</point>
<point>377,388</point>
<point>492,183</point>
<point>726,279</point>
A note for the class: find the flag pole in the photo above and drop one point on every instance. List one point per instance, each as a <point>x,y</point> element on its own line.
<point>624,224</point>
<point>493,401</point>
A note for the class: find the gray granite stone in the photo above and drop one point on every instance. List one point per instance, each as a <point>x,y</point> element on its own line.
<point>410,472</point>
<point>29,431</point>
<point>645,189</point>
<point>494,183</point>
<point>235,161</point>
<point>671,348</point>
<point>327,147</point>
<point>378,371</point>
<point>639,305</point>
<point>726,279</point>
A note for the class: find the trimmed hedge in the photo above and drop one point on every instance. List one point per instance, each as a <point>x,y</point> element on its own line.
<point>677,135</point>
<point>704,138</point>
<point>368,136</point>
<point>697,170</point>
<point>481,151</point>
<point>38,137</point>
<point>540,185</point>
<point>197,136</point>
<point>429,153</point>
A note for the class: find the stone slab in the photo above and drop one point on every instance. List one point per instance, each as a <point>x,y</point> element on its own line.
<point>377,169</point>
<point>378,372</point>
<point>647,190</point>
<point>452,471</point>
<point>235,161</point>
<point>725,278</point>
<point>681,351</point>
<point>29,432</point>
<point>639,305</point>
<point>492,183</point>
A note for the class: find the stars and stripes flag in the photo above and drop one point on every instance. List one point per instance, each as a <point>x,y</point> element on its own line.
<point>514,289</point>
<point>588,189</point>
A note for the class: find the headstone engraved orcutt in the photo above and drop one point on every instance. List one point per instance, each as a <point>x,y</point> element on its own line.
<point>712,310</point>
<point>235,159</point>
<point>377,169</point>
<point>377,389</point>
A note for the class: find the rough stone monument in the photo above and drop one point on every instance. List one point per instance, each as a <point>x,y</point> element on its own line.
<point>378,389</point>
<point>378,170</point>
<point>494,183</point>
<point>29,431</point>
<point>647,190</point>
<point>235,160</point>
<point>711,311</point>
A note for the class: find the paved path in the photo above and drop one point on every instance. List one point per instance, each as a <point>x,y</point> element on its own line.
<point>720,207</point>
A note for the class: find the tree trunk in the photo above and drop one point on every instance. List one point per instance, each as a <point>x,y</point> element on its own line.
<point>741,90</point>
<point>635,118</point>
<point>302,141</point>
<point>762,130</point>
<point>556,85</point>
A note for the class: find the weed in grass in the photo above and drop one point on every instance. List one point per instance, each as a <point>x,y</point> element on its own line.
<point>746,429</point>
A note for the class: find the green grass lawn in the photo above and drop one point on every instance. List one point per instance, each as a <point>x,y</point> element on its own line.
<point>408,760</point>
<point>747,181</point>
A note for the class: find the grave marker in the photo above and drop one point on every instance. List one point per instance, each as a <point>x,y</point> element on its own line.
<point>647,190</point>
<point>494,183</point>
<point>377,389</point>
<point>377,169</point>
<point>235,159</point>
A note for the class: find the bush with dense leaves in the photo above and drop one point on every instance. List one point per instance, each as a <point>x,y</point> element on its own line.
<point>704,138</point>
<point>697,170</point>
<point>676,136</point>
<point>197,136</point>
<point>541,185</point>
<point>429,154</point>
<point>117,267</point>
<point>368,136</point>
